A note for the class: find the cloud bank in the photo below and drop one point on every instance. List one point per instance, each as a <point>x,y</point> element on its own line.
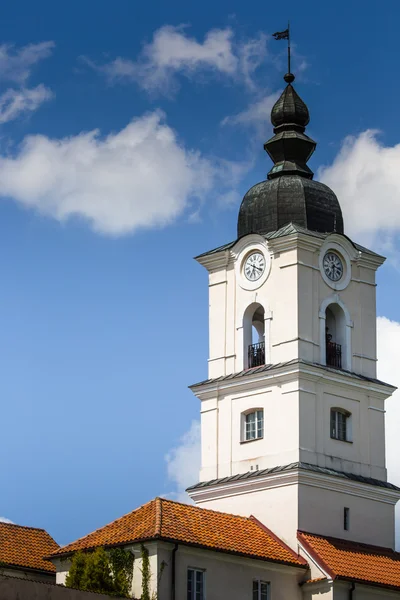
<point>139,177</point>
<point>173,51</point>
<point>364,176</point>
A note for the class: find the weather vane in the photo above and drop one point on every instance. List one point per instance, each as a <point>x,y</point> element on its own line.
<point>284,35</point>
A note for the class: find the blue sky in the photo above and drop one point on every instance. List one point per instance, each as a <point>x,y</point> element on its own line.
<point>128,137</point>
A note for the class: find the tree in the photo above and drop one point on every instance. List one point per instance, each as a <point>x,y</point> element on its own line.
<point>103,572</point>
<point>75,574</point>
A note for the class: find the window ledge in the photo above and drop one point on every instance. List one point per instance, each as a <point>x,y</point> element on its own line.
<point>338,440</point>
<point>254,440</point>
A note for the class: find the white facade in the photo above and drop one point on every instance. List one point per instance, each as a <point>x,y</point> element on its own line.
<point>292,308</point>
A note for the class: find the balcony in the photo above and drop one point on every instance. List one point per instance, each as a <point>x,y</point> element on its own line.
<point>256,355</point>
<point>333,355</point>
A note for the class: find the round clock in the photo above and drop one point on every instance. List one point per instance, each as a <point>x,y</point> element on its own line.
<point>254,266</point>
<point>333,266</point>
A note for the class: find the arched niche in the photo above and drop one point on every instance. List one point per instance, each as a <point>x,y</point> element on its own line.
<point>254,336</point>
<point>335,334</point>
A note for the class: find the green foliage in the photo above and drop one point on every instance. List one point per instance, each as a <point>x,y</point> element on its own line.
<point>97,573</point>
<point>146,574</point>
<point>103,572</point>
<point>74,577</point>
<point>121,563</point>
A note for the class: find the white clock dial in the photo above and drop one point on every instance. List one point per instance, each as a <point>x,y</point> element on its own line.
<point>254,266</point>
<point>333,266</point>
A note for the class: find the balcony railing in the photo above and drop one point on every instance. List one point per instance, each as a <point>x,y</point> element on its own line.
<point>334,355</point>
<point>256,355</point>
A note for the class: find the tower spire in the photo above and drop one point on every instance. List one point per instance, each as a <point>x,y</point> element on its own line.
<point>290,148</point>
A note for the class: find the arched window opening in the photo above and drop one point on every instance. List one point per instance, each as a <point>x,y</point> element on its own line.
<point>335,331</point>
<point>254,336</point>
<point>253,424</point>
<point>341,425</point>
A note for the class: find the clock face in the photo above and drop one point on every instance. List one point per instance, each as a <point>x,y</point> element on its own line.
<point>254,266</point>
<point>333,266</point>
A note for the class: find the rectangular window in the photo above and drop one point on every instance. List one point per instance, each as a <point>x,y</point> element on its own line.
<point>260,590</point>
<point>346,519</point>
<point>340,425</point>
<point>254,425</point>
<point>195,584</point>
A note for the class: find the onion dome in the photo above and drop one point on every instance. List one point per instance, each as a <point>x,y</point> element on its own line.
<point>289,195</point>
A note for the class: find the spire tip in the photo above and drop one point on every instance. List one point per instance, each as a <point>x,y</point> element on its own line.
<point>289,78</point>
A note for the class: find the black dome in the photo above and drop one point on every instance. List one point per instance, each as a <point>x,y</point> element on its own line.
<point>289,195</point>
<point>271,204</point>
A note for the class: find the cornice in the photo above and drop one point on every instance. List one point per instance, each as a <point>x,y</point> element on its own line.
<point>295,241</point>
<point>296,477</point>
<point>285,374</point>
<point>216,261</point>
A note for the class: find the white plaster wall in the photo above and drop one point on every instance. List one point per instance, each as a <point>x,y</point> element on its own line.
<point>362,592</point>
<point>232,577</point>
<point>224,451</point>
<point>291,296</point>
<point>365,454</point>
<point>320,591</point>
<point>296,427</point>
<point>321,511</point>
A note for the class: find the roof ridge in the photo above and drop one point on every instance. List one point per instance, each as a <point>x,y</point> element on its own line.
<point>319,561</point>
<point>110,523</point>
<point>269,531</point>
<point>4,523</point>
<point>158,523</point>
<point>209,510</point>
<point>351,542</point>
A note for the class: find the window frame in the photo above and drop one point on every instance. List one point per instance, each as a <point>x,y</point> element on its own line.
<point>257,426</point>
<point>340,421</point>
<point>193,593</point>
<point>259,583</point>
<point>346,518</point>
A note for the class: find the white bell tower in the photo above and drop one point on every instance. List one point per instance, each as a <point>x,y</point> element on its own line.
<point>292,415</point>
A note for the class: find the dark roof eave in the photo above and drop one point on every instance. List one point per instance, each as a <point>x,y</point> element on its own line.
<point>264,368</point>
<point>292,467</point>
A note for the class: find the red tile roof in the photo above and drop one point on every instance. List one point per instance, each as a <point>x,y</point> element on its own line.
<point>362,563</point>
<point>25,547</point>
<point>172,521</point>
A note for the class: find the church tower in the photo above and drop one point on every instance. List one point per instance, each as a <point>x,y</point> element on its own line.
<point>292,415</point>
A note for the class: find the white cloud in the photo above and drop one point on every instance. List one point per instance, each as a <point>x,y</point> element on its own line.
<point>16,63</point>
<point>172,51</point>
<point>141,176</point>
<point>364,175</point>
<point>388,370</point>
<point>183,462</point>
<point>13,103</point>
<point>5,520</point>
<point>256,114</point>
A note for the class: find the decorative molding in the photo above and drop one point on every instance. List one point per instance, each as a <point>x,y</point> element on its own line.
<point>299,262</point>
<point>293,242</point>
<point>381,410</point>
<point>365,357</point>
<point>297,477</point>
<point>215,262</point>
<point>288,373</point>
<point>363,281</point>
